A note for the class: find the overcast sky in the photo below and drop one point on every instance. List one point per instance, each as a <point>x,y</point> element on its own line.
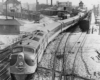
<point>74,2</point>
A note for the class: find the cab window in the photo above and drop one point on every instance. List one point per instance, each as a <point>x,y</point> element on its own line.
<point>17,49</point>
<point>40,34</point>
<point>26,49</point>
<point>38,48</point>
<point>36,39</point>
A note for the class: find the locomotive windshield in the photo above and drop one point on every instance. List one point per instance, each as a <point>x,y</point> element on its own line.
<point>40,34</point>
<point>36,39</point>
<point>27,49</point>
<point>22,49</point>
<point>17,49</point>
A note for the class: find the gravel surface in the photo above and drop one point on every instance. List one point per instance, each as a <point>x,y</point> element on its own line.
<point>47,59</point>
<point>87,64</point>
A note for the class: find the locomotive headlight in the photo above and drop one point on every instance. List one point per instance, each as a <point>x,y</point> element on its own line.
<point>20,66</point>
<point>20,57</point>
<point>21,63</point>
<point>30,62</point>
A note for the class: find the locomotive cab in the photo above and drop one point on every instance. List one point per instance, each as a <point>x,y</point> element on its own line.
<point>27,54</point>
<point>23,60</point>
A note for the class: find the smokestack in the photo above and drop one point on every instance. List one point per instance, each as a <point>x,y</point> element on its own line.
<point>6,9</point>
<point>51,2</point>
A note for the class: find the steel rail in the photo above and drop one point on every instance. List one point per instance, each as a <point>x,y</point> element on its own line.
<point>64,58</point>
<point>54,61</point>
<point>77,51</point>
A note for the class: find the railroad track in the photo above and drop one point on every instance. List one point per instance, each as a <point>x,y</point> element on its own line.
<point>56,55</point>
<point>60,54</point>
<point>5,62</point>
<point>74,51</point>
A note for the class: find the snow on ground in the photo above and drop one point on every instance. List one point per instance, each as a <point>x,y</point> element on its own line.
<point>91,57</point>
<point>87,64</point>
<point>6,40</point>
<point>30,26</point>
<point>4,17</point>
<point>46,20</point>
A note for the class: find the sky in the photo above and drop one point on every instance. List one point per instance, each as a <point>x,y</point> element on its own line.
<point>88,3</point>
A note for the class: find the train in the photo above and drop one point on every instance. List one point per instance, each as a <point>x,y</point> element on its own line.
<point>28,53</point>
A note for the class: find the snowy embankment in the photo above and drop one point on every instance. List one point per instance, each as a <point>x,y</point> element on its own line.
<point>29,26</point>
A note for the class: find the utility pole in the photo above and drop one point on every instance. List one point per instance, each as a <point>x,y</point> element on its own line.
<point>28,10</point>
<point>51,2</point>
<point>13,8</point>
<point>28,7</point>
<point>36,4</point>
<point>6,9</point>
<point>2,5</point>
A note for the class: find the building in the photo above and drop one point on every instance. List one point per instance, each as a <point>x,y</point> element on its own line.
<point>30,7</point>
<point>81,4</point>
<point>81,7</point>
<point>64,4</point>
<point>12,5</point>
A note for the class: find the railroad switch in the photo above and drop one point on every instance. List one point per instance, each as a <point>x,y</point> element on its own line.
<point>61,56</point>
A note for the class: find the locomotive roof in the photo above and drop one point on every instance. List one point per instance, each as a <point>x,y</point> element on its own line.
<point>33,40</point>
<point>10,22</point>
<point>52,26</point>
<point>30,43</point>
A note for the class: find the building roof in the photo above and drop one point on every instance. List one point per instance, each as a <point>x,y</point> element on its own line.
<point>9,22</point>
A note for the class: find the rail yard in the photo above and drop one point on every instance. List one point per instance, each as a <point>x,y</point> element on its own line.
<point>59,61</point>
<point>50,44</point>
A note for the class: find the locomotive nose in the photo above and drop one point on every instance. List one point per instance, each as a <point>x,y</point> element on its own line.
<point>18,61</point>
<point>21,64</point>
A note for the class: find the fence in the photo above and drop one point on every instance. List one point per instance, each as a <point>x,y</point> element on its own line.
<point>30,16</point>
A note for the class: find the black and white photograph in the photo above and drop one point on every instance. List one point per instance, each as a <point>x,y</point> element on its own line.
<point>49,39</point>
